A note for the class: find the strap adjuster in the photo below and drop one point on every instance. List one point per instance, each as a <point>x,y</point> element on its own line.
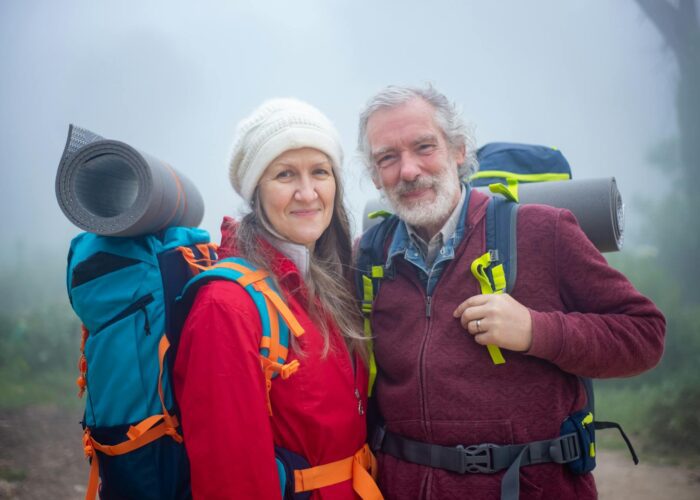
<point>477,458</point>
<point>565,449</point>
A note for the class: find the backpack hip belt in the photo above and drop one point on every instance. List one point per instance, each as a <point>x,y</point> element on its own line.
<point>360,467</point>
<point>483,458</point>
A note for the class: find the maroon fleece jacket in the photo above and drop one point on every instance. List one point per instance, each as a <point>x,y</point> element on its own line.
<point>437,385</point>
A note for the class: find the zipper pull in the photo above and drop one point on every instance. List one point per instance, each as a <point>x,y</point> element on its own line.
<point>147,324</point>
<point>360,409</point>
<point>427,306</point>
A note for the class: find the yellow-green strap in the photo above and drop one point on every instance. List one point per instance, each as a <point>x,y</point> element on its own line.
<point>367,299</point>
<point>478,269</point>
<point>547,177</point>
<point>378,213</point>
<point>510,191</point>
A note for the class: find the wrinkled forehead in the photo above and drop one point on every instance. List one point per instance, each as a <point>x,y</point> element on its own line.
<point>402,125</point>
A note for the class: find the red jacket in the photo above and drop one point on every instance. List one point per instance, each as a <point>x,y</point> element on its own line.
<point>437,385</point>
<point>220,388</point>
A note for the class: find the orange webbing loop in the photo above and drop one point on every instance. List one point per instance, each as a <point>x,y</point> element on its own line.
<point>170,421</point>
<point>94,478</point>
<point>282,351</point>
<point>81,381</point>
<point>247,276</point>
<point>206,249</point>
<point>269,368</point>
<point>192,261</point>
<point>361,468</point>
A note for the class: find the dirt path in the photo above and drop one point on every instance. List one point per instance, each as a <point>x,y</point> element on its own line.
<point>41,458</point>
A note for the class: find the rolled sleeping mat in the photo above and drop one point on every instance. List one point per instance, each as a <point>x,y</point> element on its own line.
<point>109,188</point>
<point>596,203</point>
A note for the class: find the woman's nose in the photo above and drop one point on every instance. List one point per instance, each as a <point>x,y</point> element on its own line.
<point>306,190</point>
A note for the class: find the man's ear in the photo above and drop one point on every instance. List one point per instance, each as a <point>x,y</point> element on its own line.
<point>460,154</point>
<point>375,179</point>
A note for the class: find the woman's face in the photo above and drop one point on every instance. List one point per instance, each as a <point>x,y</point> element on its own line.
<point>297,191</point>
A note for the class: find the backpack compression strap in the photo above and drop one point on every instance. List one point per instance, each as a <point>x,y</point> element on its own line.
<point>495,270</point>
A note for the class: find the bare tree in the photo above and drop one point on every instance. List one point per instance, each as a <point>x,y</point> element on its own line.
<point>678,24</point>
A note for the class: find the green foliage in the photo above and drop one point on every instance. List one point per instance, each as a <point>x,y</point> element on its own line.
<point>38,356</point>
<point>674,420</point>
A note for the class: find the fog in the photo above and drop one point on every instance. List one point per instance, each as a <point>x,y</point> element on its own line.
<point>592,78</point>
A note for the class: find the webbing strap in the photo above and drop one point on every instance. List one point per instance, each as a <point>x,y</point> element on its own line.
<point>90,446</point>
<point>367,300</point>
<point>546,177</point>
<point>509,190</point>
<point>478,269</point>
<point>361,468</point>
<point>485,458</point>
<point>170,420</point>
<point>281,307</point>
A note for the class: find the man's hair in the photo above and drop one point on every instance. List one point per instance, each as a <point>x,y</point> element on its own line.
<point>447,118</point>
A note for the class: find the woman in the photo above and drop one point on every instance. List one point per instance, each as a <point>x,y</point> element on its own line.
<point>285,164</point>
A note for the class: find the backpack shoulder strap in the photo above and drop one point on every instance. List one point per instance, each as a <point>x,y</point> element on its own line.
<point>501,242</point>
<point>276,318</point>
<point>496,269</point>
<point>370,271</point>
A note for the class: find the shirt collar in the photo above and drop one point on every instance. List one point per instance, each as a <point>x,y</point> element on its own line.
<point>451,233</point>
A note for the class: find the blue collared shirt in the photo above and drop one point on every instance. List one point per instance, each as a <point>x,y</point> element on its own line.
<point>403,246</point>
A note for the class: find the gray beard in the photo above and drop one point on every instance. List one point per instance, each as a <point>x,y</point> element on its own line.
<point>426,213</point>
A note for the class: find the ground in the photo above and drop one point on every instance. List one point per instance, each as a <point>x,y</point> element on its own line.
<point>41,458</point>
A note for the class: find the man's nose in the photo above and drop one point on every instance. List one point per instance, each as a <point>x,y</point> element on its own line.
<point>410,168</point>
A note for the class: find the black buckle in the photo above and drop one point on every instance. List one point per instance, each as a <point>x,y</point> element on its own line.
<point>477,458</point>
<point>565,449</point>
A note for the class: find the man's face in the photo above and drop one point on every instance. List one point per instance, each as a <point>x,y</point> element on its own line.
<point>414,164</point>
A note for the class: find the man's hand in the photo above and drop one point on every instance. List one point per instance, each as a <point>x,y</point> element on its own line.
<point>498,320</point>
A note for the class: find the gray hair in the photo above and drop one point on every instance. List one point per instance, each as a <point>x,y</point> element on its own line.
<point>447,117</point>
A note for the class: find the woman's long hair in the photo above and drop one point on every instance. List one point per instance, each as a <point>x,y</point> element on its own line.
<point>329,281</point>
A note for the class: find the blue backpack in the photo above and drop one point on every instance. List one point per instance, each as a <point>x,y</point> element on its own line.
<point>502,167</point>
<point>125,291</point>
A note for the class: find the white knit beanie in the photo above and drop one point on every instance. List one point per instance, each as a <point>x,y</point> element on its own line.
<point>279,125</point>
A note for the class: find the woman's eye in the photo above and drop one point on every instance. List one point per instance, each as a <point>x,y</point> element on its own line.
<point>322,172</point>
<point>284,174</point>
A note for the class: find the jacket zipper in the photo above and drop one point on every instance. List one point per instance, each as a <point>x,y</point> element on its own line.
<point>138,305</point>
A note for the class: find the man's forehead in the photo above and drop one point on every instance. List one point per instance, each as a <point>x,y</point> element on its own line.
<point>380,148</point>
<point>409,121</point>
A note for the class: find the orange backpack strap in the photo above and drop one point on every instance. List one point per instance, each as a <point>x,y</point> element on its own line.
<point>361,468</point>
<point>276,318</point>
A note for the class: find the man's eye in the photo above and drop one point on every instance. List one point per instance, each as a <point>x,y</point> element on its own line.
<point>386,160</point>
<point>426,148</point>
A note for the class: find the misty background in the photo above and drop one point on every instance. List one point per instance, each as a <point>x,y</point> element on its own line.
<point>615,85</point>
<point>592,78</point>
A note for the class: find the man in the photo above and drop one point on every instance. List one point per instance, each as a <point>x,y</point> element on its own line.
<point>569,315</point>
